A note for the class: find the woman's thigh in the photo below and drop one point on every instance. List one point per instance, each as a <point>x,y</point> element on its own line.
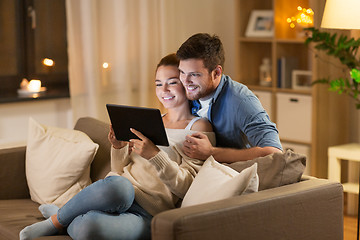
<point>100,225</point>
<point>112,194</point>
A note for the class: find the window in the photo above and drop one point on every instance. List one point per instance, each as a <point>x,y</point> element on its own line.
<point>33,44</point>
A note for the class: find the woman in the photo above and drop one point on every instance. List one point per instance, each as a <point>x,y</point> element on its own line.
<point>144,180</point>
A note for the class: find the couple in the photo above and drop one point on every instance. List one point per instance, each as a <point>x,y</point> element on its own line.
<point>146,179</point>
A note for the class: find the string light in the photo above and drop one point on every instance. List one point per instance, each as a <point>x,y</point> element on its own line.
<point>304,17</point>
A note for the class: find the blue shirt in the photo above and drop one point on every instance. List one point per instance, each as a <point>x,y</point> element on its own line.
<point>238,118</point>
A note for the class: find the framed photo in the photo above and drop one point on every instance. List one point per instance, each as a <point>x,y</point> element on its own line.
<point>301,79</point>
<point>261,24</point>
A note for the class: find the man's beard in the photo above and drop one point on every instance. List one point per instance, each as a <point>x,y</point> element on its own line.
<point>198,95</point>
<point>193,96</point>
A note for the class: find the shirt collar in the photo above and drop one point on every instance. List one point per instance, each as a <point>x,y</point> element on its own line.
<point>223,80</point>
<point>195,104</point>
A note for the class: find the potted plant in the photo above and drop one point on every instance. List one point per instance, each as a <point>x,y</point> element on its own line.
<point>345,49</point>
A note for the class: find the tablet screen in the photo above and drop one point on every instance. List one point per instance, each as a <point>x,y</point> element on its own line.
<point>148,121</point>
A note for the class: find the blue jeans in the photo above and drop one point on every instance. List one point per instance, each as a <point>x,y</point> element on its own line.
<point>106,210</point>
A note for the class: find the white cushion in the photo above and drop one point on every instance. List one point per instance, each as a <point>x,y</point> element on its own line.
<point>57,163</point>
<point>216,181</point>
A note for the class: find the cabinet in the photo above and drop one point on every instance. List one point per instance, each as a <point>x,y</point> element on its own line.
<point>307,119</point>
<point>31,31</point>
<point>294,116</point>
<point>265,99</point>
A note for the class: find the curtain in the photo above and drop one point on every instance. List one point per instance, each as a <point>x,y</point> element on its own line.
<point>126,35</point>
<point>132,36</point>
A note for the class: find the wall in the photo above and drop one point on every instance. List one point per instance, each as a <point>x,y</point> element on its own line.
<point>187,17</point>
<point>15,116</point>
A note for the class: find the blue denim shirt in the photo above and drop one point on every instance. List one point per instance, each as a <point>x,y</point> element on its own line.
<point>238,118</point>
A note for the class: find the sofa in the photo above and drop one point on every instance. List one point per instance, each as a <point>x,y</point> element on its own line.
<point>309,208</point>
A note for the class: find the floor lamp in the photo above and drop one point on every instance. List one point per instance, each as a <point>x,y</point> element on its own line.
<point>343,14</point>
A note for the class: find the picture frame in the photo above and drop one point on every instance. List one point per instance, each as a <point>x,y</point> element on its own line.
<point>261,24</point>
<point>301,79</point>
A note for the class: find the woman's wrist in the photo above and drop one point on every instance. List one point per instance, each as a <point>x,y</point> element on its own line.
<point>153,154</point>
<point>119,146</point>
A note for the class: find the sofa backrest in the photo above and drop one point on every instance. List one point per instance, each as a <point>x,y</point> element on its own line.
<point>98,132</point>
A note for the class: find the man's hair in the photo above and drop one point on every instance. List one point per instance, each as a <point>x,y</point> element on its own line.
<point>205,47</point>
<point>169,60</point>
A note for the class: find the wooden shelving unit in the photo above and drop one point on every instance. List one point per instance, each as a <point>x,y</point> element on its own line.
<point>322,109</point>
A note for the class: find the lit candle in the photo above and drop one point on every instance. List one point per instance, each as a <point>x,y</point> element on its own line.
<point>48,62</point>
<point>24,83</point>
<point>105,73</point>
<point>34,85</point>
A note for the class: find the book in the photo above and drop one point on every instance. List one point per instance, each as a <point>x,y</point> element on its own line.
<point>285,67</point>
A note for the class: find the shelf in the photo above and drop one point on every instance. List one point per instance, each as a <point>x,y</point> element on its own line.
<point>290,41</point>
<point>351,188</point>
<point>295,91</point>
<point>13,97</point>
<point>270,40</point>
<point>282,90</point>
<point>260,88</point>
<point>296,142</point>
<point>255,40</point>
<point>326,108</point>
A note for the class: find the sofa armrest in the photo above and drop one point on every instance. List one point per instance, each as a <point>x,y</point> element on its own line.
<point>12,173</point>
<point>311,209</point>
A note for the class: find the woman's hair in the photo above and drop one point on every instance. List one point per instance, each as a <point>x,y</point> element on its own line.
<point>205,47</point>
<point>169,60</point>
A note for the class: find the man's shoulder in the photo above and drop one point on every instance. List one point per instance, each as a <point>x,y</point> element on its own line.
<point>234,89</point>
<point>237,97</point>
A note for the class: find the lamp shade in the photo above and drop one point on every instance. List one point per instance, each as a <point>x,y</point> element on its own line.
<point>341,14</point>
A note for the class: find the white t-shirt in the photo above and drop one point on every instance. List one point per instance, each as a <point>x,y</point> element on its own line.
<point>205,103</point>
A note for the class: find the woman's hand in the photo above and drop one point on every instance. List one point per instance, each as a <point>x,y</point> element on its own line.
<point>114,142</point>
<point>143,146</point>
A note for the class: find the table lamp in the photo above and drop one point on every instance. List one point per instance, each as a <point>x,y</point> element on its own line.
<point>343,14</point>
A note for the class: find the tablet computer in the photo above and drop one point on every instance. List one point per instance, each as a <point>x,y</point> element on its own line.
<point>148,121</point>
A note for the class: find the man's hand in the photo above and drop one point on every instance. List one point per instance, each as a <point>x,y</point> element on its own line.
<point>197,146</point>
<point>144,147</point>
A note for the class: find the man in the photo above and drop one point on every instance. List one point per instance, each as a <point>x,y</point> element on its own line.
<point>242,126</point>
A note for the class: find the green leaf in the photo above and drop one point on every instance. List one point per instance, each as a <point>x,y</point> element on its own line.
<point>334,85</point>
<point>308,40</point>
<point>349,43</point>
<point>333,39</point>
<point>344,49</point>
<point>356,94</point>
<point>355,74</point>
<point>321,46</point>
<point>356,85</point>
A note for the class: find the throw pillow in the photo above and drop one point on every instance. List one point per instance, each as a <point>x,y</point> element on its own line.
<point>216,181</point>
<point>276,169</point>
<point>57,163</point>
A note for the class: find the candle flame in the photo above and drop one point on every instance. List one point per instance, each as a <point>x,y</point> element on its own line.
<point>34,85</point>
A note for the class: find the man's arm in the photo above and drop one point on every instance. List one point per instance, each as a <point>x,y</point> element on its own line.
<point>230,155</point>
<point>198,146</point>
